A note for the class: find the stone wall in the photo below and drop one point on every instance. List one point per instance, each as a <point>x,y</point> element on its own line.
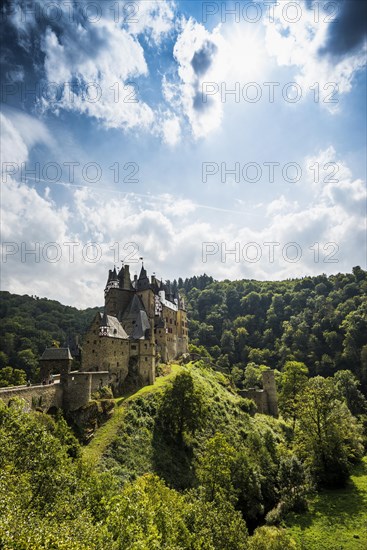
<point>271,391</point>
<point>73,392</point>
<point>266,399</point>
<point>78,389</point>
<point>104,353</point>
<point>260,398</point>
<point>41,397</point>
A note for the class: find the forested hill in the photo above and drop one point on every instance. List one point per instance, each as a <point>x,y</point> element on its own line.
<point>28,325</point>
<point>320,321</point>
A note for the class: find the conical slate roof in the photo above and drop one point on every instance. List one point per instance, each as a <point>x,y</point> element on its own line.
<point>143,281</point>
<point>135,314</point>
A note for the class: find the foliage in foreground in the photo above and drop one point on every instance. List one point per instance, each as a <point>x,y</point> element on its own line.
<point>191,467</point>
<point>49,498</point>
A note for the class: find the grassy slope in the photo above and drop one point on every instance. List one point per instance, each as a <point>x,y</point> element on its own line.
<point>135,443</point>
<point>335,517</point>
<point>107,433</point>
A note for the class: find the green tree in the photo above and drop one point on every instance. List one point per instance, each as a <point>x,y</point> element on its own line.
<point>293,484</point>
<point>12,377</point>
<point>294,379</point>
<point>347,386</point>
<point>214,469</point>
<point>227,344</point>
<point>271,538</point>
<point>183,407</point>
<point>147,515</point>
<point>27,361</point>
<point>4,361</point>
<point>253,375</point>
<point>328,437</point>
<point>214,525</point>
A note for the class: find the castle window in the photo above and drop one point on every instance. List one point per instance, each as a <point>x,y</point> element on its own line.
<point>93,351</point>
<point>146,358</point>
<point>94,341</point>
<point>133,347</point>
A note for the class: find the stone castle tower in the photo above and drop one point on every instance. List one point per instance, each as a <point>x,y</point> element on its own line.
<point>266,399</point>
<point>144,322</point>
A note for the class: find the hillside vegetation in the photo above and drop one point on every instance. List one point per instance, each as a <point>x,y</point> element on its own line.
<point>28,325</point>
<point>183,464</point>
<point>320,321</point>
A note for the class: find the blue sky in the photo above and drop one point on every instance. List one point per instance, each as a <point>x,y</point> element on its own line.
<point>144,89</point>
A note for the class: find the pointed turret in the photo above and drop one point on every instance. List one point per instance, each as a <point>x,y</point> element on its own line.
<point>143,273</point>
<point>112,281</point>
<point>143,281</point>
<point>124,278</point>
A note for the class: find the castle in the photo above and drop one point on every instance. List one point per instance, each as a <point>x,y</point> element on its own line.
<point>144,322</point>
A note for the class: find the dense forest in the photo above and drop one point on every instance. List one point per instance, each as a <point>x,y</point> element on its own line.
<point>320,321</point>
<point>28,325</point>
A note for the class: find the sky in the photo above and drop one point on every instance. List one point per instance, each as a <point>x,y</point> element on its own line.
<point>219,137</point>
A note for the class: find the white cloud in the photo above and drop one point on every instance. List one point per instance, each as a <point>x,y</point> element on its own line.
<point>155,18</point>
<point>298,44</point>
<point>280,205</point>
<point>332,179</point>
<point>171,129</point>
<point>195,43</point>
<point>103,90</point>
<point>13,146</point>
<point>209,65</point>
<point>168,234</point>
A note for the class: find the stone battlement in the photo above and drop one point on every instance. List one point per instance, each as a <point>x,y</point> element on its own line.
<point>41,397</point>
<point>72,392</point>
